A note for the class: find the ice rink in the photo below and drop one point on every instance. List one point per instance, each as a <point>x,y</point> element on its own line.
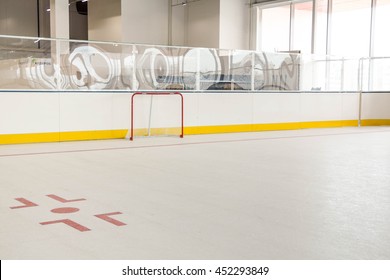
<point>302,194</point>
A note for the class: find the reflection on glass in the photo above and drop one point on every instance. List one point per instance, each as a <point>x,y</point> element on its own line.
<point>313,73</point>
<point>302,25</point>
<point>379,69</point>
<point>242,70</point>
<point>276,71</point>
<point>26,64</point>
<point>209,68</point>
<point>92,66</point>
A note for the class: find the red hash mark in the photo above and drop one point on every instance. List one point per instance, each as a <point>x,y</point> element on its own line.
<point>69,223</point>
<point>106,218</point>
<point>27,203</point>
<point>63,200</point>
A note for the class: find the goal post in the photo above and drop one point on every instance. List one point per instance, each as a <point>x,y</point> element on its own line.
<point>178,94</point>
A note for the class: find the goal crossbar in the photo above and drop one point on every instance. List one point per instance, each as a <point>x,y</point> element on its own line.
<point>156,93</point>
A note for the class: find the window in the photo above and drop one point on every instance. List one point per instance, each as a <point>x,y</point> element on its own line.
<point>287,22</point>
<point>350,27</point>
<point>321,26</point>
<point>302,26</point>
<point>381,46</point>
<point>380,68</point>
<point>275,28</point>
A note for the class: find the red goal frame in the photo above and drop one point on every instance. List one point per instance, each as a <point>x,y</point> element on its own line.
<point>155,93</point>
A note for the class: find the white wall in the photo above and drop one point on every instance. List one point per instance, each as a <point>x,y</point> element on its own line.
<point>104,20</point>
<point>18,17</point>
<point>3,17</point>
<point>234,24</point>
<point>179,25</point>
<point>223,24</point>
<point>375,106</point>
<point>44,19</point>
<point>107,112</point>
<point>203,24</point>
<point>28,112</point>
<point>24,113</point>
<point>59,19</point>
<point>78,24</point>
<point>145,21</point>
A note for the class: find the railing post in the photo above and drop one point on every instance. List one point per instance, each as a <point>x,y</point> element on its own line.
<point>253,72</point>
<point>197,78</point>
<point>360,88</point>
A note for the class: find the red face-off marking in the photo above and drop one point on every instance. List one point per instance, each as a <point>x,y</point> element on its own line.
<point>26,203</point>
<point>106,218</point>
<point>65,210</point>
<point>63,200</point>
<point>69,223</point>
<point>68,210</point>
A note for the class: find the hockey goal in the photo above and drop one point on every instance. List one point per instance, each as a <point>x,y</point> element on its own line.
<point>179,111</point>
